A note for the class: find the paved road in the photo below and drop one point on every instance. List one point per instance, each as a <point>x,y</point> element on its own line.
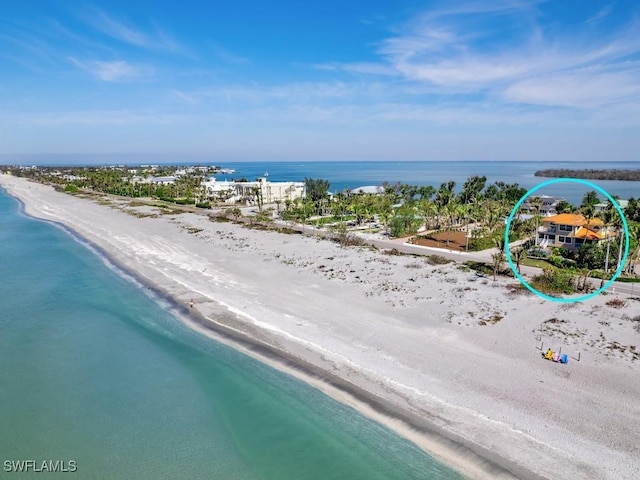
<point>627,289</point>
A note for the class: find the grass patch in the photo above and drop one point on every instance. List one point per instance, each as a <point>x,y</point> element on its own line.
<point>536,262</point>
<point>437,260</point>
<point>479,267</point>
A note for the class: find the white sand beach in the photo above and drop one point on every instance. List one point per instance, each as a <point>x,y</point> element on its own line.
<point>448,359</point>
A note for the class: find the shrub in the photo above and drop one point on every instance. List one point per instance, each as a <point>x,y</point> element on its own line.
<point>203,205</point>
<point>556,261</point>
<point>480,267</point>
<point>616,303</point>
<point>71,188</point>
<point>554,281</point>
<point>437,260</point>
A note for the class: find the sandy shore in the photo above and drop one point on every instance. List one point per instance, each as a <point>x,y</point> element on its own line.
<point>447,359</point>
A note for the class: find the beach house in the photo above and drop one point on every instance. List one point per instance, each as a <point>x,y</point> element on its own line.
<point>603,207</point>
<point>547,205</point>
<point>571,231</point>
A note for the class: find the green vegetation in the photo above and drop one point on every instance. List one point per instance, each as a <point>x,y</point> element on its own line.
<point>554,282</point>
<point>591,174</point>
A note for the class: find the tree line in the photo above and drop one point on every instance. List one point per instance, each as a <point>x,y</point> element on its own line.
<point>591,174</point>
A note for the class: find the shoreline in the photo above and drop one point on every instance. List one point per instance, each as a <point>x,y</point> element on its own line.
<point>354,385</point>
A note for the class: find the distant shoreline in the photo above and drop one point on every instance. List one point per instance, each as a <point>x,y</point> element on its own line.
<point>592,174</point>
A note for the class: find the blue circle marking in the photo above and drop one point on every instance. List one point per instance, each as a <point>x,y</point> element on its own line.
<point>546,184</point>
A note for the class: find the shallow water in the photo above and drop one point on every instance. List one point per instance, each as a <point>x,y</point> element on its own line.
<point>97,371</point>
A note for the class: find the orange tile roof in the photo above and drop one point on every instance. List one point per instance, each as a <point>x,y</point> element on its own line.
<point>573,219</point>
<point>588,234</point>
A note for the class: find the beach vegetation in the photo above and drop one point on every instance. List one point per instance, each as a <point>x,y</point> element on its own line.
<point>554,281</point>
<point>480,267</point>
<point>317,191</point>
<point>437,260</point>
<point>616,303</point>
<point>518,255</point>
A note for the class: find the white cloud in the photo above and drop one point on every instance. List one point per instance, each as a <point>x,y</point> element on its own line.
<point>113,71</point>
<point>151,38</point>
<point>500,52</point>
<point>581,89</point>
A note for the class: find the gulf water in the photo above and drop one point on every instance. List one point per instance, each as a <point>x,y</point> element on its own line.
<point>95,370</point>
<point>351,175</point>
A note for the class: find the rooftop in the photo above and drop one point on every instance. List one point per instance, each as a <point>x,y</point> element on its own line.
<point>573,219</point>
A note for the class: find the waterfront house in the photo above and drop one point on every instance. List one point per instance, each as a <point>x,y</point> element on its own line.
<point>547,205</point>
<point>603,207</point>
<point>571,231</point>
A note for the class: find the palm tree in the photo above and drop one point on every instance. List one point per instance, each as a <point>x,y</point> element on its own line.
<point>452,211</point>
<point>611,219</point>
<point>536,206</point>
<point>467,212</point>
<point>590,199</point>
<point>518,255</point>
<point>498,257</point>
<point>634,234</point>
<point>588,212</point>
<point>429,211</point>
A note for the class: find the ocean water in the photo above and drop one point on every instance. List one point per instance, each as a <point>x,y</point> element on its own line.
<point>351,175</point>
<point>97,371</point>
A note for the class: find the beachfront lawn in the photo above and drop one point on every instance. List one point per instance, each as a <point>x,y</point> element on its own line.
<point>537,262</point>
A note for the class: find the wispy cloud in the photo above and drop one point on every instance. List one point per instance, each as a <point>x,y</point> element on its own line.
<point>113,71</point>
<point>153,37</point>
<point>602,13</point>
<point>95,118</point>
<point>227,56</point>
<point>499,51</point>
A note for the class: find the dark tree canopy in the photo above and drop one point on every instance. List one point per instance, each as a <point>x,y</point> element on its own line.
<point>590,199</point>
<point>316,188</point>
<point>565,207</point>
<point>472,188</point>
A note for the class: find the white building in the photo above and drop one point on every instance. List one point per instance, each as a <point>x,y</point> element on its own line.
<point>170,180</point>
<point>603,207</point>
<point>245,192</point>
<point>547,205</point>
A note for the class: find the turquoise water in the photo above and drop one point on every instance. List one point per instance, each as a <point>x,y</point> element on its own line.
<point>96,371</point>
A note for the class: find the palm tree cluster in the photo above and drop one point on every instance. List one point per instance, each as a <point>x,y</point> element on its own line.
<point>401,209</point>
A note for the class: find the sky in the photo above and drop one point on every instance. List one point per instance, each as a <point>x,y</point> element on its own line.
<point>333,80</point>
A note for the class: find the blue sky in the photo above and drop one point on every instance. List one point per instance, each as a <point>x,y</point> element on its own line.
<point>332,80</point>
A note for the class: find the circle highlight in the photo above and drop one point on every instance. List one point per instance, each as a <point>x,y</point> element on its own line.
<point>594,187</point>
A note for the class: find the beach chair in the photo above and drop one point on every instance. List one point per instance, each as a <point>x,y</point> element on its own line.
<point>556,357</point>
<point>549,354</point>
<point>564,358</point>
